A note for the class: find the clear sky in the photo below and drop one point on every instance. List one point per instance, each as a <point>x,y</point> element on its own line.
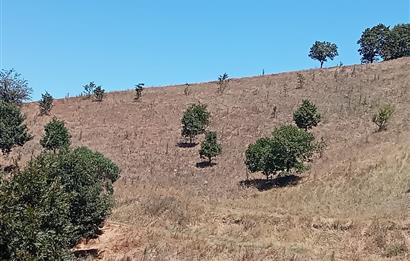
<point>59,46</point>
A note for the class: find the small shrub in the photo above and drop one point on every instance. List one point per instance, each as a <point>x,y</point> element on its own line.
<point>46,103</point>
<point>210,147</point>
<point>138,91</point>
<point>223,81</point>
<point>99,93</point>
<point>56,135</point>
<point>13,131</point>
<point>187,90</point>
<point>383,116</point>
<point>194,121</point>
<point>395,249</point>
<point>300,81</point>
<point>306,116</point>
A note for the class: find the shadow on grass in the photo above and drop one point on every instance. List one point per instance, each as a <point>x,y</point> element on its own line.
<point>205,164</point>
<point>266,184</point>
<point>186,144</point>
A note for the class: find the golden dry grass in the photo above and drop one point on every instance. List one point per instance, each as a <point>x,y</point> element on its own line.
<point>353,204</point>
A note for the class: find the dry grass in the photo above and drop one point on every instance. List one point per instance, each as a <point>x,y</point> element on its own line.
<point>353,204</point>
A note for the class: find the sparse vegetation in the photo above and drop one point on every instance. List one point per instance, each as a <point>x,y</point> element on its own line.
<point>300,81</point>
<point>223,82</point>
<point>138,91</point>
<point>13,130</point>
<point>322,51</point>
<point>13,88</point>
<point>56,135</point>
<point>89,89</point>
<point>46,103</point>
<point>286,150</point>
<point>194,121</point>
<point>382,117</point>
<point>98,93</point>
<point>210,147</point>
<point>187,89</point>
<point>306,116</point>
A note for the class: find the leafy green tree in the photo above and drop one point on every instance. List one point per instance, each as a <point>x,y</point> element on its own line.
<point>46,103</point>
<point>13,131</point>
<point>89,89</point>
<point>34,217</point>
<point>13,88</point>
<point>194,121</point>
<point>287,150</point>
<point>56,135</point>
<point>99,93</point>
<point>397,42</point>
<point>372,41</point>
<point>210,147</point>
<point>382,117</point>
<point>138,91</point>
<point>306,116</point>
<point>322,51</point>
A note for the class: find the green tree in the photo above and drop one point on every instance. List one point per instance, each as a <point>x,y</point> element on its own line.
<point>382,117</point>
<point>194,121</point>
<point>13,131</point>
<point>306,116</point>
<point>287,150</point>
<point>89,89</point>
<point>13,88</point>
<point>46,103</point>
<point>34,217</point>
<point>56,135</point>
<point>99,93</point>
<point>138,91</point>
<point>210,147</point>
<point>372,41</point>
<point>322,51</point>
<point>397,42</point>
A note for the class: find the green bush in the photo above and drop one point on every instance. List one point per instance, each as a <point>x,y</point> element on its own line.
<point>210,147</point>
<point>138,91</point>
<point>13,131</point>
<point>58,199</point>
<point>99,93</point>
<point>383,116</point>
<point>194,121</point>
<point>287,150</point>
<point>306,116</point>
<point>46,103</point>
<point>89,89</point>
<point>223,81</point>
<point>56,135</point>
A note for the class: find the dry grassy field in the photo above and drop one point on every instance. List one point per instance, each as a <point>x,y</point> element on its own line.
<point>352,204</point>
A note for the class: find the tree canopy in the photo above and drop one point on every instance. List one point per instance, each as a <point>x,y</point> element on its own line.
<point>13,88</point>
<point>322,51</point>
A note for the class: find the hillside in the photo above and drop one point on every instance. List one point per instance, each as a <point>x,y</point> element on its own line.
<point>353,203</point>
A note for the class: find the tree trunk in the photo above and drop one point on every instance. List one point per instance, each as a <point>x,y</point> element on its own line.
<point>321,64</point>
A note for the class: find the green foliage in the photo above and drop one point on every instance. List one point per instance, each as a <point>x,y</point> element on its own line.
<point>56,135</point>
<point>223,81</point>
<point>58,199</point>
<point>138,91</point>
<point>46,103</point>
<point>13,88</point>
<point>286,150</point>
<point>99,93</point>
<point>306,116</point>
<point>13,131</point>
<point>194,121</point>
<point>382,116</point>
<point>372,42</point>
<point>34,217</point>
<point>397,42</point>
<point>89,89</point>
<point>210,147</point>
<point>322,51</point>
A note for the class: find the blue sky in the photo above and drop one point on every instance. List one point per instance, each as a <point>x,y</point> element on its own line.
<point>59,46</point>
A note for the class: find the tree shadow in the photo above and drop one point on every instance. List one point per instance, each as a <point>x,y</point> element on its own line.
<point>86,253</point>
<point>266,184</point>
<point>186,144</point>
<point>205,164</point>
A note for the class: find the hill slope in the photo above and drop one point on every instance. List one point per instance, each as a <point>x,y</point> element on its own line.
<point>353,203</point>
